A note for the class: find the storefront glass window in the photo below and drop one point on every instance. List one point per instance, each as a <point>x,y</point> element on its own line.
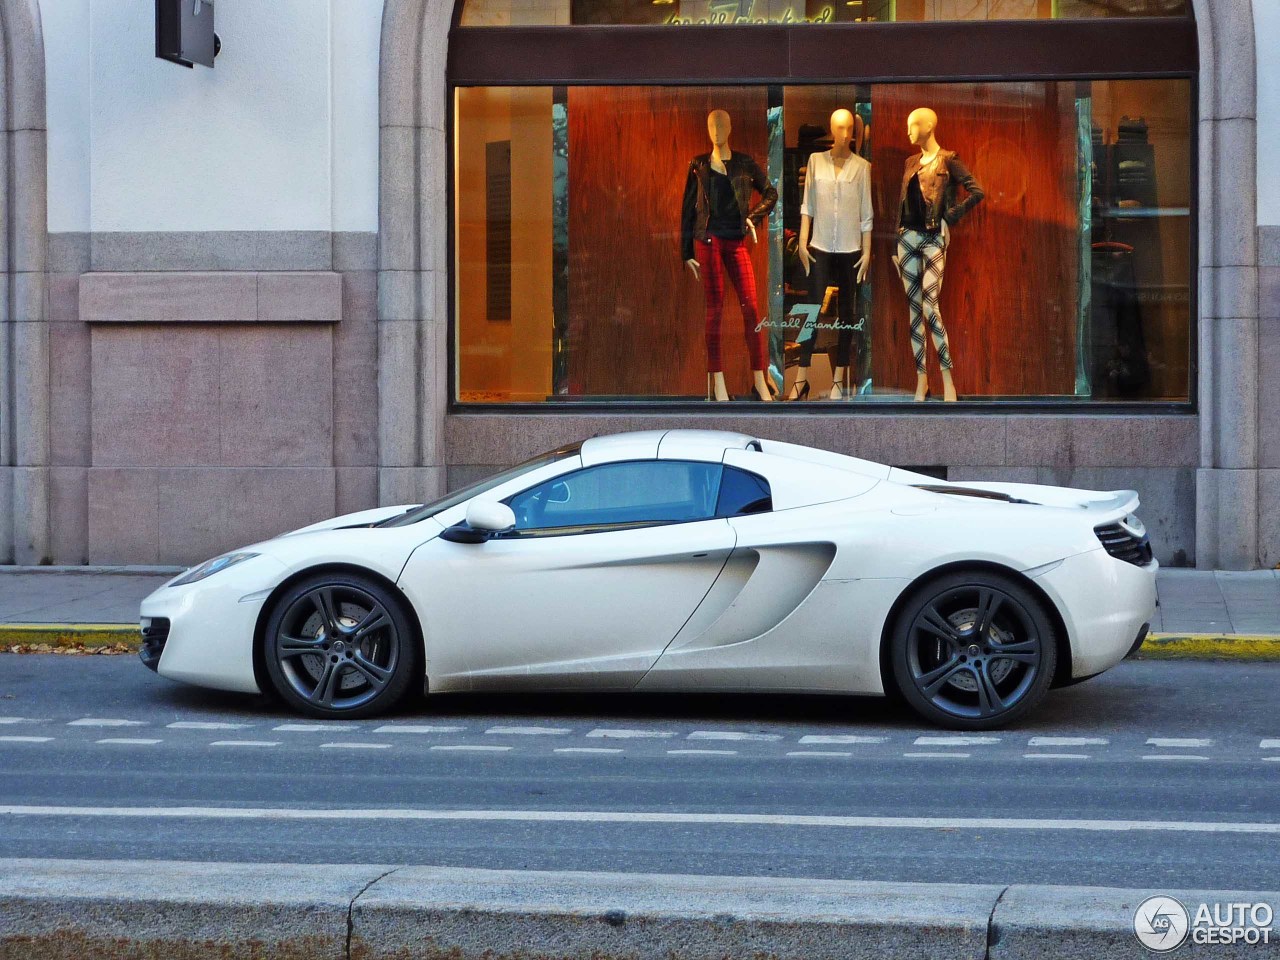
<point>1029,241</point>
<point>507,13</point>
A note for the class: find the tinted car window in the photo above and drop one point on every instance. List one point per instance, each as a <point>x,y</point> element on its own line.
<point>743,493</point>
<point>634,493</point>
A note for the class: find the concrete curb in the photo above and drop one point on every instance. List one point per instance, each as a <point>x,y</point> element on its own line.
<point>1158,646</point>
<point>182,911</point>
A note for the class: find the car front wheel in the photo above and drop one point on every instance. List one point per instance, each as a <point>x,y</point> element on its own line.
<point>973,651</point>
<point>340,645</point>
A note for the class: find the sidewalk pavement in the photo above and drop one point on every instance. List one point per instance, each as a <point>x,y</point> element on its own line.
<point>1191,601</point>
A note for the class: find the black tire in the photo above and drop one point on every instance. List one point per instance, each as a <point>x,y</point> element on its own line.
<point>339,645</point>
<point>957,674</point>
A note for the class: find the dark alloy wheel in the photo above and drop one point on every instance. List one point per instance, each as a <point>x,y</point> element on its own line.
<point>973,651</point>
<point>339,645</point>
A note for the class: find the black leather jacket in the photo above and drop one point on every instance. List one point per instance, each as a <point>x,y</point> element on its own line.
<point>940,190</point>
<point>745,175</point>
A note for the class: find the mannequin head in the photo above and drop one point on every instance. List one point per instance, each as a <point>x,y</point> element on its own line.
<point>842,128</point>
<point>920,126</point>
<point>718,127</point>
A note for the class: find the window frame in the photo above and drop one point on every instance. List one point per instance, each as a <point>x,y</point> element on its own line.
<point>1100,48</point>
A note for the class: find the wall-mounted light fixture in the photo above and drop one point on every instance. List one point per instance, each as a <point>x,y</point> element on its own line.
<point>184,32</point>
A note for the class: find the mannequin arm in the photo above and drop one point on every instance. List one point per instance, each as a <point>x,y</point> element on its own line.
<point>864,264</point>
<point>973,191</point>
<point>689,216</point>
<point>802,247</point>
<point>768,194</point>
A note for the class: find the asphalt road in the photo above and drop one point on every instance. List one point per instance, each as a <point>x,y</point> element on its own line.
<point>1154,775</point>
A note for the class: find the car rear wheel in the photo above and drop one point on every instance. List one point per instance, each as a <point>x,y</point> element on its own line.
<point>973,651</point>
<point>340,645</point>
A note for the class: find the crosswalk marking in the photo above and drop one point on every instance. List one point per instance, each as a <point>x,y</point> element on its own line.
<point>25,739</point>
<point>206,725</point>
<point>1176,742</point>
<point>733,735</point>
<point>416,728</point>
<point>130,741</point>
<point>1055,756</point>
<point>630,734</point>
<point>471,748</point>
<point>955,741</point>
<point>704,753</point>
<point>355,746</point>
<point>1067,742</point>
<point>589,750</point>
<point>840,738</point>
<point>245,743</point>
<point>529,731</point>
<point>311,727</point>
<point>1173,756</point>
<point>101,722</point>
<point>938,756</point>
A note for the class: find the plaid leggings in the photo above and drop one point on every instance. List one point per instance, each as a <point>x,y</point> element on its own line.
<point>922,258</point>
<point>716,258</point>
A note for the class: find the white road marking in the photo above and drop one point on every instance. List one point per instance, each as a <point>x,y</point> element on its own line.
<point>819,753</point>
<point>529,731</point>
<point>37,740</point>
<point>245,743</point>
<point>704,753</point>
<point>1067,742</point>
<point>1055,756</point>
<point>1277,759</point>
<point>1173,756</point>
<point>631,734</point>
<point>630,816</point>
<point>206,725</point>
<point>355,746</point>
<point>19,720</point>
<point>473,748</point>
<point>938,756</point>
<point>732,735</point>
<point>1269,744</point>
<point>311,727</point>
<point>416,728</point>
<point>130,741</point>
<point>955,741</point>
<point>1176,742</point>
<point>588,750</point>
<point>840,738</point>
<point>99,722</point>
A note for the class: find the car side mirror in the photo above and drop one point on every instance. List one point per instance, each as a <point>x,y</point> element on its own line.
<point>485,519</point>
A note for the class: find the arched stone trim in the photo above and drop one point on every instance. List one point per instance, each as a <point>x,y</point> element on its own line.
<point>413,275</point>
<point>24,341</point>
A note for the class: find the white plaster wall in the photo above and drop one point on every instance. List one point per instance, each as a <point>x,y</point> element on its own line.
<point>66,48</point>
<point>281,135</point>
<point>1266,23</point>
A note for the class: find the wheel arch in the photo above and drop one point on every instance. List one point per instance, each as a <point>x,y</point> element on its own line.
<point>1062,639</point>
<point>259,630</point>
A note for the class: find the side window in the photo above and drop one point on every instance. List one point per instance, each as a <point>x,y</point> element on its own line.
<point>634,493</point>
<point>743,493</point>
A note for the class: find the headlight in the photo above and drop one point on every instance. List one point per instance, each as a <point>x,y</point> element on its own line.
<point>210,567</point>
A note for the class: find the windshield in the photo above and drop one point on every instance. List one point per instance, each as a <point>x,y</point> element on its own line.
<point>475,489</point>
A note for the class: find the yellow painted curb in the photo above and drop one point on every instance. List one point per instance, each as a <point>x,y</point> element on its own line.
<point>69,635</point>
<point>1210,646</point>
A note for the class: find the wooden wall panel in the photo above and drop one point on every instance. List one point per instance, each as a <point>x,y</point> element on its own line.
<point>1009,297</point>
<point>636,315</point>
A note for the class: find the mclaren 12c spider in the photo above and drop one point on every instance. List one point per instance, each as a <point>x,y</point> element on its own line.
<point>678,560</point>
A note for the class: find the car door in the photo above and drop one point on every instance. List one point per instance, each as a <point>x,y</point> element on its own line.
<point>603,568</point>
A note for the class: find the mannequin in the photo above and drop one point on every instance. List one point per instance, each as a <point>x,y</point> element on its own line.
<point>836,220</point>
<point>927,210</point>
<point>716,219</point>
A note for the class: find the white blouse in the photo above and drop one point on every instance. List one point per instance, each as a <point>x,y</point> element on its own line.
<point>839,202</point>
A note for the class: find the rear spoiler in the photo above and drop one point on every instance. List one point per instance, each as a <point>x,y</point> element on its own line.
<point>1102,506</point>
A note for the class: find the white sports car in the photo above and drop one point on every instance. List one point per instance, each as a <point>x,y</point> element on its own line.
<point>678,560</point>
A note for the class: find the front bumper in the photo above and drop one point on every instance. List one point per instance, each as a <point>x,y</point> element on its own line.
<point>211,626</point>
<point>1105,604</point>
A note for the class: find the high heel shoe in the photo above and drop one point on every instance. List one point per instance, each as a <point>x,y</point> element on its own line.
<point>799,391</point>
<point>756,396</point>
<point>837,391</point>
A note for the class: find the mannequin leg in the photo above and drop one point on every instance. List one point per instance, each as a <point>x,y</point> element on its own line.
<point>846,276</point>
<point>935,264</point>
<point>819,279</point>
<point>713,292</point>
<point>911,264</point>
<point>737,264</point>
